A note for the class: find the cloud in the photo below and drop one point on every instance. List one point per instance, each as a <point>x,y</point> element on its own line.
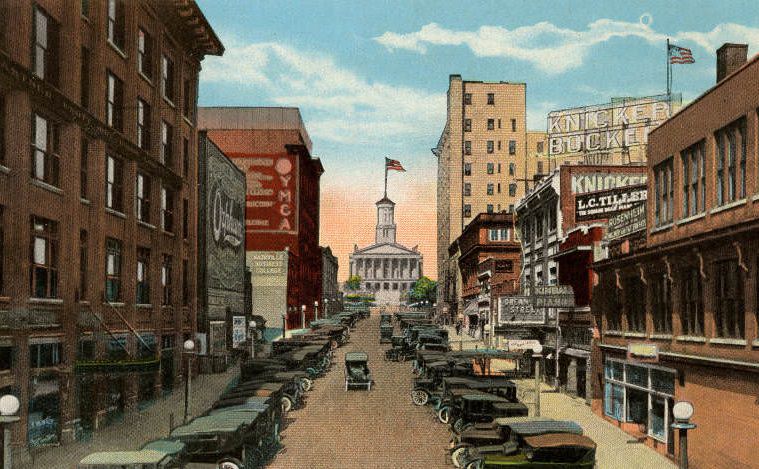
<point>552,49</point>
<point>341,105</point>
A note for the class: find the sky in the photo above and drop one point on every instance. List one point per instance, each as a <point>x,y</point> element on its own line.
<point>370,79</point>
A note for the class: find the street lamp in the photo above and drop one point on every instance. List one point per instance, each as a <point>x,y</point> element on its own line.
<point>316,310</point>
<point>253,335</point>
<point>284,324</point>
<point>682,412</point>
<point>189,346</point>
<point>303,316</point>
<point>9,405</point>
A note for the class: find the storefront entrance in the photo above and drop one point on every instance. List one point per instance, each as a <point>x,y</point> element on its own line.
<point>44,411</point>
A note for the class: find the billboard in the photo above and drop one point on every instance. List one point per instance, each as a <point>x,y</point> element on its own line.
<point>606,128</point>
<point>519,310</point>
<point>626,223</point>
<point>269,272</point>
<point>272,195</point>
<point>607,203</point>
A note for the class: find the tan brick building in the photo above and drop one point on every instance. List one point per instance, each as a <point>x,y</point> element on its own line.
<point>481,161</point>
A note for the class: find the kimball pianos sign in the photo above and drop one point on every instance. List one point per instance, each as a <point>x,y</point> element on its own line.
<point>606,127</point>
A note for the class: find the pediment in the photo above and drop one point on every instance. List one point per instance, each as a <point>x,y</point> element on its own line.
<point>385,249</point>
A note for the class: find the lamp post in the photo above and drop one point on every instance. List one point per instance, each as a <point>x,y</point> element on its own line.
<point>303,316</point>
<point>9,405</point>
<point>252,334</point>
<point>316,310</point>
<point>189,346</point>
<point>325,302</point>
<point>284,324</point>
<point>682,412</point>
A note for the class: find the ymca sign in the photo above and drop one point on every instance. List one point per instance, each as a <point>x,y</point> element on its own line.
<point>272,197</point>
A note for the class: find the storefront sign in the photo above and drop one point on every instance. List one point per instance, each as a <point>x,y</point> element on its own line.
<point>218,335</point>
<point>268,263</point>
<point>523,344</point>
<point>519,310</point>
<point>626,223</point>
<point>643,352</point>
<point>583,183</point>
<point>238,331</point>
<point>604,204</point>
<point>272,198</point>
<point>605,127</point>
<point>551,296</point>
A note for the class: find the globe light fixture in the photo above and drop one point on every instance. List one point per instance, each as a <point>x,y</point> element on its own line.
<point>9,405</point>
<point>189,345</point>
<point>682,410</point>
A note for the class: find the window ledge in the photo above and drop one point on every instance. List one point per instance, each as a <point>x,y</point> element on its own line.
<point>47,187</point>
<point>115,213</point>
<point>189,122</point>
<point>143,305</point>
<point>168,233</point>
<point>5,169</point>
<point>84,302</point>
<point>727,341</point>
<point>169,102</point>
<point>755,198</point>
<point>46,301</point>
<point>116,48</point>
<point>691,218</point>
<point>144,77</point>
<point>146,224</point>
<point>691,338</point>
<point>662,228</point>
<point>614,333</point>
<point>115,304</point>
<point>734,204</point>
<point>755,343</point>
<point>84,201</point>
<point>661,337</point>
<point>641,335</point>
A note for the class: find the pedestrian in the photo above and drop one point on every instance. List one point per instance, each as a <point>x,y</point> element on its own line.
<point>458,327</point>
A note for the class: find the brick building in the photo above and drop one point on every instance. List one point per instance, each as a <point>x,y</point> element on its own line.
<point>677,316</point>
<point>97,201</point>
<point>332,298</point>
<point>272,147</point>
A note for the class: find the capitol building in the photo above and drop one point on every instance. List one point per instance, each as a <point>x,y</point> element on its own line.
<point>387,269</point>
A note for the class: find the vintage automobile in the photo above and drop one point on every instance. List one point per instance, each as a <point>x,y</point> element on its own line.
<point>551,450</point>
<point>357,370</point>
<point>468,407</point>
<point>159,454</point>
<point>292,392</point>
<point>263,389</point>
<point>385,319</point>
<point>429,387</point>
<point>483,438</point>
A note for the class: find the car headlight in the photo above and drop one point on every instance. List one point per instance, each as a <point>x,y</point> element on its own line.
<point>529,454</point>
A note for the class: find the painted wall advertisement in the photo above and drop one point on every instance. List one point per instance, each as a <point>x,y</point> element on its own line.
<point>608,127</point>
<point>269,281</point>
<point>607,203</point>
<point>272,194</point>
<point>626,223</point>
<point>519,310</point>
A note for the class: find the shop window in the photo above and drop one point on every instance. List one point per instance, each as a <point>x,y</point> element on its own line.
<point>729,315</point>
<point>692,303</point>
<point>145,53</point>
<point>167,145</point>
<point>661,289</point>
<point>635,304</point>
<point>166,280</point>
<point>167,210</point>
<point>143,276</point>
<point>44,258</point>
<point>113,249</point>
<point>44,417</point>
<point>83,283</point>
<point>167,78</point>
<point>143,124</point>
<point>45,147</point>
<point>116,23</point>
<point>114,106</point>
<point>44,355</point>
<point>663,192</point>
<point>45,58</point>
<point>142,207</point>
<point>114,185</point>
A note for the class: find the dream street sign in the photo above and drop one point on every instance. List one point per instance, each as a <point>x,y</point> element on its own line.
<point>519,310</point>
<point>626,223</point>
<point>605,204</point>
<point>551,296</point>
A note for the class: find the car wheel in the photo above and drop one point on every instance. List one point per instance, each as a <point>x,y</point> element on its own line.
<point>306,384</point>
<point>458,455</point>
<point>230,463</point>
<point>476,464</point>
<point>458,425</point>
<point>444,414</point>
<point>287,404</point>
<point>419,397</point>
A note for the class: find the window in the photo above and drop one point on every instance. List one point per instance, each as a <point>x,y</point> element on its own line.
<point>114,189</point>
<point>490,208</point>
<point>499,168</point>
<point>467,211</point>
<point>44,258</point>
<point>491,146</point>
<point>614,312</point>
<point>552,217</point>
<point>499,145</point>
<point>45,145</point>
<point>635,304</point>
<point>693,180</point>
<point>6,357</point>
<point>167,210</point>
<point>512,169</point>
<point>729,315</point>
<point>143,124</point>
<point>513,125</point>
<point>86,8</point>
<point>467,169</point>
<point>144,53</point>
<point>491,168</point>
<point>84,79</point>
<point>467,189</point>
<point>692,304</point>
<point>142,189</point>
<point>731,162</point>
<point>185,282</point>
<point>512,147</point>
<point>499,234</point>
<point>499,187</point>
<point>185,218</point>
<point>167,149</point>
<point>467,98</point>
<point>540,167</point>
<point>46,354</point>
<point>166,280</point>
<point>490,189</point>
<point>491,124</point>
<point>527,231</point>
<point>467,147</point>
<point>664,193</point>
<point>189,100</point>
<point>662,303</point>
<point>491,98</point>
<point>499,123</point>
<point>112,270</point>
<point>143,276</point>
<point>538,224</point>
<point>467,125</point>
<point>512,190</point>
<point>167,78</point>
<point>185,156</point>
<point>116,23</point>
<point>83,157</point>
<point>539,148</point>
<point>83,265</point>
<point>114,107</point>
<point>46,35</point>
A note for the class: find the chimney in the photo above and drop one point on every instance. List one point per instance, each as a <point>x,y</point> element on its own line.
<point>730,57</point>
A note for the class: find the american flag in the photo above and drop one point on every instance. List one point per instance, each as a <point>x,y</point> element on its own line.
<point>680,55</point>
<point>393,164</point>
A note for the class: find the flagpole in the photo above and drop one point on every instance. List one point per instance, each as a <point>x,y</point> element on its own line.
<point>669,72</point>
<point>385,177</point>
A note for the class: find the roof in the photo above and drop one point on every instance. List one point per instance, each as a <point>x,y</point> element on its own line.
<point>204,38</point>
<point>526,426</point>
<point>253,118</point>
<point>116,458</point>
<point>483,397</point>
<point>165,446</point>
<point>385,200</point>
<point>386,248</point>
<point>552,440</point>
<point>356,356</point>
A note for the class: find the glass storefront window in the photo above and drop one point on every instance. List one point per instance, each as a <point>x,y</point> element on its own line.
<point>614,401</point>
<point>637,406</point>
<point>44,411</point>
<point>657,423</point>
<point>614,370</point>
<point>637,375</point>
<point>663,381</point>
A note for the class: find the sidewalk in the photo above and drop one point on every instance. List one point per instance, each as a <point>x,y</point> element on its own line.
<point>137,427</point>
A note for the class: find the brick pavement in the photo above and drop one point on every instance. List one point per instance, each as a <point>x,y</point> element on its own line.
<point>137,427</point>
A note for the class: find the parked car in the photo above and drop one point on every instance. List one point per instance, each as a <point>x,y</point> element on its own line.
<point>168,454</point>
<point>552,450</point>
<point>357,370</point>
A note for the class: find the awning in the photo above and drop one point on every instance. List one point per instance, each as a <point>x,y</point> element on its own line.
<point>577,353</point>
<point>472,309</point>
